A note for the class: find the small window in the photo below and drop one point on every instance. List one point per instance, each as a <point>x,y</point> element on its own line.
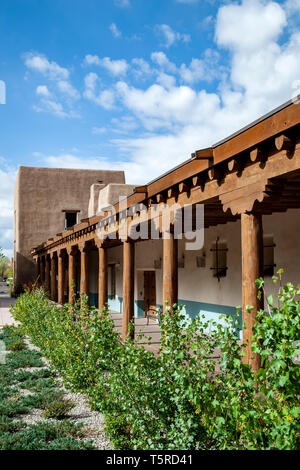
<point>70,219</point>
<point>269,264</point>
<point>113,281</point>
<point>219,259</point>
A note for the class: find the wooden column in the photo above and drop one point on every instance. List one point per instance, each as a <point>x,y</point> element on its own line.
<point>252,269</point>
<point>61,278</point>
<point>37,270</point>
<point>84,270</point>
<point>128,286</point>
<point>53,277</point>
<point>72,274</point>
<point>47,274</point>
<point>42,265</point>
<point>170,271</point>
<point>102,278</point>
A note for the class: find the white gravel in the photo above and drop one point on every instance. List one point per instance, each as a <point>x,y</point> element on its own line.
<point>93,421</point>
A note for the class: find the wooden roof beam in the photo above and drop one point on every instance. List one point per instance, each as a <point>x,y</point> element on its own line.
<point>278,122</point>
<point>140,189</point>
<point>283,142</point>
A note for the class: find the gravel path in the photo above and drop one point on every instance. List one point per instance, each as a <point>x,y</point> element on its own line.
<point>93,421</point>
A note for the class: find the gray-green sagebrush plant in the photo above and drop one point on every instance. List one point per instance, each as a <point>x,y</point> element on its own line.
<point>196,393</point>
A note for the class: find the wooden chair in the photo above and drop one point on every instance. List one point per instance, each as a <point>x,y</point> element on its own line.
<point>153,313</point>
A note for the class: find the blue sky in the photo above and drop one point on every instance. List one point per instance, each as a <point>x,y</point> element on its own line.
<point>133,84</point>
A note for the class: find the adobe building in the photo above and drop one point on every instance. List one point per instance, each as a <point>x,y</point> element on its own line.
<point>48,201</point>
<point>249,187</point>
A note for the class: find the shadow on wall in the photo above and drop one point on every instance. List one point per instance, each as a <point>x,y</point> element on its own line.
<point>24,273</point>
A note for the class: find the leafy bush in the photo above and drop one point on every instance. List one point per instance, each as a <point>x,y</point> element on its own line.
<point>185,397</point>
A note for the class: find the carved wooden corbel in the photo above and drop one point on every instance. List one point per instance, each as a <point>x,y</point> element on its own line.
<point>282,142</point>
<point>243,199</point>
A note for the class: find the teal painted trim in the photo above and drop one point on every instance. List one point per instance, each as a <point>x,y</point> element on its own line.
<point>190,308</point>
<point>115,304</point>
<point>193,308</point>
<point>139,309</point>
<point>211,311</point>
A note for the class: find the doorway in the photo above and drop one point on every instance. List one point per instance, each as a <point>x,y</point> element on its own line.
<point>149,292</point>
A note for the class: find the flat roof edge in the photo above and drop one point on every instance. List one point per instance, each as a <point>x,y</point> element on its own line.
<point>292,101</point>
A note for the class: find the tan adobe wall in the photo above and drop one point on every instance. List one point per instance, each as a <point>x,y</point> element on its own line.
<point>41,196</point>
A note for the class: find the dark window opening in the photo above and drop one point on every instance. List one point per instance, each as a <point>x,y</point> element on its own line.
<point>269,264</point>
<point>113,281</point>
<point>219,259</point>
<point>70,219</point>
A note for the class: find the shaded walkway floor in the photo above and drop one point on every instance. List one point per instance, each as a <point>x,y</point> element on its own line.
<point>150,329</point>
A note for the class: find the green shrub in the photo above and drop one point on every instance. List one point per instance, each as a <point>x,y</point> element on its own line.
<point>8,425</point>
<point>10,408</point>
<point>45,436</point>
<point>13,338</point>
<point>34,376</point>
<point>16,434</point>
<point>24,358</point>
<point>16,345</point>
<point>15,404</point>
<point>183,398</point>
<point>117,429</point>
<point>58,409</point>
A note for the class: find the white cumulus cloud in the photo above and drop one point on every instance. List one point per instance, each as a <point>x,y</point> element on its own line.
<point>170,36</point>
<point>103,98</point>
<point>162,60</point>
<point>54,107</point>
<point>66,88</point>
<point>115,67</point>
<point>42,90</point>
<point>59,80</point>
<point>40,63</point>
<point>259,71</point>
<point>115,30</point>
<point>249,26</point>
<point>7,182</point>
<point>292,6</point>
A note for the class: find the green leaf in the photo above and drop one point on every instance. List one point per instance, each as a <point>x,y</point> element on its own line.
<point>259,283</point>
